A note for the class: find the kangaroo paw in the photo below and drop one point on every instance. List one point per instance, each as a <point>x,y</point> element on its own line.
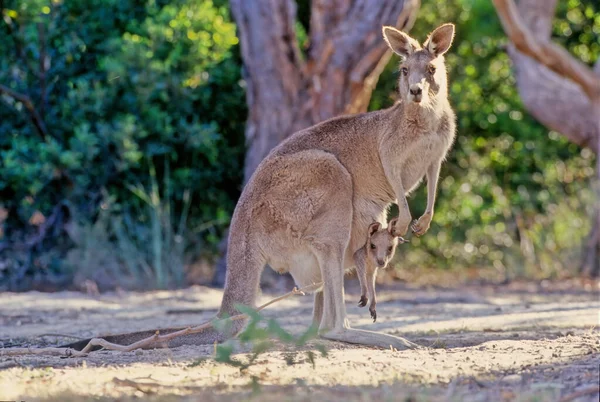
<point>363,301</point>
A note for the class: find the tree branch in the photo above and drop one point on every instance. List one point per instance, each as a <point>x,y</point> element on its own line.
<point>153,341</point>
<point>36,119</point>
<point>547,53</point>
<point>557,102</point>
<point>355,34</point>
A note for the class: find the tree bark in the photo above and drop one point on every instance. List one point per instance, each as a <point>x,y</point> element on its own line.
<point>288,90</point>
<point>557,102</point>
<point>557,89</point>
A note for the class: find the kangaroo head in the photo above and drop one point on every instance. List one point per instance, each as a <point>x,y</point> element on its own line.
<point>422,70</point>
<point>381,243</point>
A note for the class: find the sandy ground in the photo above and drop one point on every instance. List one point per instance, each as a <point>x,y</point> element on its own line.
<point>497,344</point>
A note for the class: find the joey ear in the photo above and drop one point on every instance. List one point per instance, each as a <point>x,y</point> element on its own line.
<point>374,227</point>
<point>439,41</point>
<point>400,43</point>
<point>392,226</point>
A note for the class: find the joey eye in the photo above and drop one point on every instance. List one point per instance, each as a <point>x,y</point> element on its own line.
<point>431,69</point>
<point>373,246</point>
<point>390,249</point>
<point>404,71</point>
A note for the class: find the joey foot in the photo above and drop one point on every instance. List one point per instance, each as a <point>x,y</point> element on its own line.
<point>363,301</point>
<point>373,313</point>
<point>420,226</point>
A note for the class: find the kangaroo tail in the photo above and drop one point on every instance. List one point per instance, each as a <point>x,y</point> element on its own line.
<point>244,267</point>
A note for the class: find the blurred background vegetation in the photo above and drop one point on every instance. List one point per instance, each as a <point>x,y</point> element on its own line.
<point>122,146</point>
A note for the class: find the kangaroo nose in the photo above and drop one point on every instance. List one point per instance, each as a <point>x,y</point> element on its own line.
<point>416,90</point>
<point>380,262</point>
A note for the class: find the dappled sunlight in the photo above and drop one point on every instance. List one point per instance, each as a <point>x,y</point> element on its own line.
<point>346,366</point>
<point>134,143</point>
<point>471,337</point>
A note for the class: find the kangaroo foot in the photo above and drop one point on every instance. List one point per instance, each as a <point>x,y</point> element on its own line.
<point>369,338</point>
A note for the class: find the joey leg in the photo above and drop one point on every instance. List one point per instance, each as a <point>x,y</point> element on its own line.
<point>372,295</point>
<point>361,271</point>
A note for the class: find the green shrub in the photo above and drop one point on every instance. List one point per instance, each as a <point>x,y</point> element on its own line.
<point>141,109</point>
<point>128,86</point>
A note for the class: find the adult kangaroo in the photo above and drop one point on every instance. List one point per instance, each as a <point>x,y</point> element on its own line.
<point>307,207</point>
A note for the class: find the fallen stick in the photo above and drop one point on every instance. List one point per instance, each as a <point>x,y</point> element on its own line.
<point>156,338</point>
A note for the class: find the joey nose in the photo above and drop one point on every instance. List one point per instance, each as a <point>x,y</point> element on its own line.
<point>381,263</point>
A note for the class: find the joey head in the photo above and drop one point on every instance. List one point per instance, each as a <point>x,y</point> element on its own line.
<point>376,253</point>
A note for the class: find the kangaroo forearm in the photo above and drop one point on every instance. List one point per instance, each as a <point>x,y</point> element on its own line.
<point>433,175</point>
<point>404,215</point>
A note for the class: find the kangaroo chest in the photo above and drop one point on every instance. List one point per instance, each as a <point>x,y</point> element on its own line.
<point>427,149</point>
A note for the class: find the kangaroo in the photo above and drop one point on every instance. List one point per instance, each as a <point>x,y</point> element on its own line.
<point>376,253</point>
<point>307,207</point>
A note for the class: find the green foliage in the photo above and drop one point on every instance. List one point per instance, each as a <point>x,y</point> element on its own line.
<point>151,252</point>
<point>135,163</point>
<point>125,86</point>
<point>259,335</point>
<point>512,196</point>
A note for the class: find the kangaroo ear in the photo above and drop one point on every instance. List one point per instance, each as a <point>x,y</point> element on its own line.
<point>439,41</point>
<point>400,43</point>
<point>392,226</point>
<point>374,227</point>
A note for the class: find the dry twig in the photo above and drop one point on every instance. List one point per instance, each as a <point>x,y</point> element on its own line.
<point>156,339</point>
<point>36,118</point>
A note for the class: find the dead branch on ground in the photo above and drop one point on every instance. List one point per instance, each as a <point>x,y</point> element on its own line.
<point>156,339</point>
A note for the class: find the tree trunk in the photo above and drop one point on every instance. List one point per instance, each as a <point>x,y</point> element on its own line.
<point>558,90</point>
<point>288,90</point>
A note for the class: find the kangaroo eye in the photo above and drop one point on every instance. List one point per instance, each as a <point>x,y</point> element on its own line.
<point>373,246</point>
<point>431,69</point>
<point>404,71</point>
